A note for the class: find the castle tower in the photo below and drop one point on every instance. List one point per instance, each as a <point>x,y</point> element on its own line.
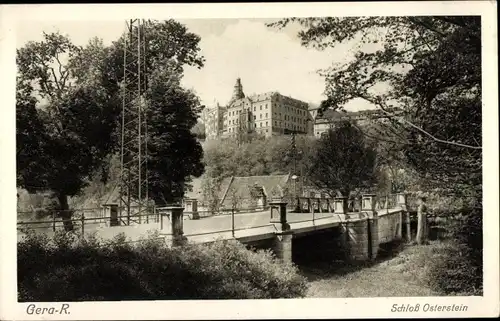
<point>237,92</point>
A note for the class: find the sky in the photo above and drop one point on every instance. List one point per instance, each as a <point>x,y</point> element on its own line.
<point>264,58</point>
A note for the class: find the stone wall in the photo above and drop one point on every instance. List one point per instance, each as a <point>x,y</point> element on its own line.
<point>362,238</point>
<point>389,227</point>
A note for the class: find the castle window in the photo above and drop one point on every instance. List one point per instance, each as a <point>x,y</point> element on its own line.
<point>260,107</point>
<point>266,115</point>
<point>260,116</point>
<point>260,124</point>
<point>254,108</point>
<point>266,123</point>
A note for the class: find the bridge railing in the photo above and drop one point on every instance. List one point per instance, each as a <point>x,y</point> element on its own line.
<point>232,230</point>
<point>385,201</point>
<point>95,218</point>
<point>90,218</point>
<point>81,222</point>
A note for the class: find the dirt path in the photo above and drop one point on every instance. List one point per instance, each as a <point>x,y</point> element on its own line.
<point>399,275</point>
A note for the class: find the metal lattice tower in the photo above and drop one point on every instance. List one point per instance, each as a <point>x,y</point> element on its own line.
<point>134,173</point>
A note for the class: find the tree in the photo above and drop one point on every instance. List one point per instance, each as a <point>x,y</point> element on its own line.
<point>174,153</point>
<point>444,87</point>
<point>235,199</point>
<point>70,120</point>
<point>211,191</point>
<point>30,139</point>
<point>71,125</point>
<point>260,156</point>
<point>429,68</point>
<point>166,40</point>
<point>199,131</point>
<point>343,162</point>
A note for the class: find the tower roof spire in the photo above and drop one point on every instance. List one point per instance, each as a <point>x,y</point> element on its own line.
<point>237,91</point>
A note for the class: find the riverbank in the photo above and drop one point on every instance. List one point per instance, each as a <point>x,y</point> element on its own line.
<point>400,271</point>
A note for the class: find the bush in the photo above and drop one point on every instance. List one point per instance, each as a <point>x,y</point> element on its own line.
<point>66,268</point>
<point>459,271</point>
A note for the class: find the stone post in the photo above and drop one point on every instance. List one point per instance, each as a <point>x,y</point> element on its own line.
<point>176,224</point>
<point>368,206</point>
<point>283,240</point>
<point>278,214</point>
<point>401,199</point>
<point>192,207</point>
<point>368,202</point>
<point>340,205</point>
<point>111,210</point>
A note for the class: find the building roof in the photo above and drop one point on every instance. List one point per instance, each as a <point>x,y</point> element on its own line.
<point>241,186</point>
<point>333,115</point>
<point>261,97</point>
<point>330,114</point>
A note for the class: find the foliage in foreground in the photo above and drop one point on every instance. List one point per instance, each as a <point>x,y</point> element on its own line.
<point>67,269</point>
<point>459,270</point>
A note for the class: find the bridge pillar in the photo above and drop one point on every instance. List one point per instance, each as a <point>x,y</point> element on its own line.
<point>368,206</point>
<point>356,240</point>
<point>360,231</point>
<point>176,224</point>
<point>401,199</point>
<point>339,206</point>
<point>282,246</point>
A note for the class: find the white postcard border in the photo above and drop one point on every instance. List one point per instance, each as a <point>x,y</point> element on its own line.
<point>488,305</point>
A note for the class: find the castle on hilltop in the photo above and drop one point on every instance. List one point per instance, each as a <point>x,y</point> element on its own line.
<point>266,114</point>
<point>271,114</point>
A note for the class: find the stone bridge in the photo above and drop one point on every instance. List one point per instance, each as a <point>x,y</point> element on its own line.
<point>358,235</point>
<point>323,230</point>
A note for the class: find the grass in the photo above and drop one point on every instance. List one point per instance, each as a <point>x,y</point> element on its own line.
<point>398,272</point>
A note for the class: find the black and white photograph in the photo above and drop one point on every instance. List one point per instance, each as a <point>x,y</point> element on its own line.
<point>252,160</point>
